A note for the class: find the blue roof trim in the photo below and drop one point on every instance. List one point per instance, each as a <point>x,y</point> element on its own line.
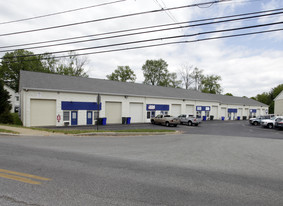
<point>79,105</point>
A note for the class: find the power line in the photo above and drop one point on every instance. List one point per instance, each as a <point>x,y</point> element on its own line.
<point>151,31</point>
<point>62,12</point>
<point>157,39</point>
<point>276,12</point>
<point>162,44</point>
<point>111,18</point>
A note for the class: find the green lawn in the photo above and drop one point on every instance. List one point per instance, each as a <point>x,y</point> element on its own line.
<point>8,131</point>
<point>101,131</point>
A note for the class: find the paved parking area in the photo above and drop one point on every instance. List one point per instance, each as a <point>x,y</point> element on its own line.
<point>223,128</point>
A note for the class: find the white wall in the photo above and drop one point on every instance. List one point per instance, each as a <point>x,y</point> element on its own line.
<point>26,96</point>
<point>13,98</point>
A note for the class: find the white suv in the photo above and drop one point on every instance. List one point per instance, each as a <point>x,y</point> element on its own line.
<point>270,123</point>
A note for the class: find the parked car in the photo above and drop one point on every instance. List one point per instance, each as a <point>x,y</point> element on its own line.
<point>256,121</point>
<point>166,120</point>
<point>279,123</point>
<point>189,120</point>
<point>269,123</point>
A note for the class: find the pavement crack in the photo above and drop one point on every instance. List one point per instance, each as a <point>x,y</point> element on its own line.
<point>13,200</point>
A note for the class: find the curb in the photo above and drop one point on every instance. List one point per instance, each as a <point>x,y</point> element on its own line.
<point>126,133</point>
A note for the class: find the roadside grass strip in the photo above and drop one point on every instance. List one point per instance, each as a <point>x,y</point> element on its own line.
<point>22,177</point>
<point>8,131</point>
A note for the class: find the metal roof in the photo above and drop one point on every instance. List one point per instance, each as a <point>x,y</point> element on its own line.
<point>55,82</point>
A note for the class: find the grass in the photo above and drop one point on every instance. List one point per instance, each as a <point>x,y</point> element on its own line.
<point>101,131</point>
<point>8,131</point>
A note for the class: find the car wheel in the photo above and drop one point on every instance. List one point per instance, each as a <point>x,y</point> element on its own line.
<point>190,123</point>
<point>255,123</point>
<point>270,126</point>
<point>175,125</point>
<point>196,124</point>
<point>152,122</point>
<point>181,123</point>
<point>167,124</point>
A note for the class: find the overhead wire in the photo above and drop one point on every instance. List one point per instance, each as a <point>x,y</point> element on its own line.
<point>61,12</point>
<point>156,39</point>
<point>151,31</point>
<point>109,18</point>
<point>157,45</point>
<point>275,12</point>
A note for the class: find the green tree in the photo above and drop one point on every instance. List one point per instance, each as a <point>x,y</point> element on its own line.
<point>171,81</point>
<point>71,65</point>
<point>13,62</point>
<point>197,77</point>
<point>210,84</point>
<point>229,94</point>
<point>122,74</point>
<point>155,72</point>
<point>5,106</point>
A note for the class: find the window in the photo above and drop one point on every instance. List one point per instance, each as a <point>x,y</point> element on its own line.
<point>95,115</point>
<point>148,115</point>
<point>153,114</point>
<point>66,116</point>
<point>17,98</point>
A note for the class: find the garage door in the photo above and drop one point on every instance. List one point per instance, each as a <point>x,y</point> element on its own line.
<point>223,112</point>
<point>176,110</point>
<point>42,112</point>
<point>214,111</point>
<point>136,112</point>
<point>113,112</point>
<point>190,109</point>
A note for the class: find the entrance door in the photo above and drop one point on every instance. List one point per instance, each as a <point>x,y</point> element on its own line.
<point>89,117</point>
<point>74,118</point>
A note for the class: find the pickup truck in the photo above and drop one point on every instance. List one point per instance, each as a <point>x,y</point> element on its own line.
<point>257,121</point>
<point>166,120</point>
<point>189,120</point>
<point>270,123</point>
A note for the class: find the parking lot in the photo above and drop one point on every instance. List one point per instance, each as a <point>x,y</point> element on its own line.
<point>215,127</point>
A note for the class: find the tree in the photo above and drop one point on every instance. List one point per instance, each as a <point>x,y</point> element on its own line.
<point>13,62</point>
<point>173,81</point>
<point>155,72</point>
<point>210,84</point>
<point>229,94</point>
<point>197,77</point>
<point>186,77</point>
<point>5,106</point>
<point>122,74</point>
<point>72,65</point>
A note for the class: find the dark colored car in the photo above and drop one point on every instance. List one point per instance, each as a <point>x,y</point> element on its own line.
<point>279,123</point>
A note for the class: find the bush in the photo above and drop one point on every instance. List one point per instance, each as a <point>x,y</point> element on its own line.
<point>6,117</point>
<point>16,119</point>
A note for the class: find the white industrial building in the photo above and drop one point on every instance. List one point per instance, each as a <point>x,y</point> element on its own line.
<point>278,105</point>
<point>14,99</point>
<point>52,99</point>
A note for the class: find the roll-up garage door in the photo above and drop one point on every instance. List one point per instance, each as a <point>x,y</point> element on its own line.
<point>176,110</point>
<point>223,112</point>
<point>190,109</point>
<point>42,112</point>
<point>136,112</point>
<point>113,112</point>
<point>214,111</point>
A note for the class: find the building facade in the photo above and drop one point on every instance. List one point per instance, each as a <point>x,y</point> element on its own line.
<point>278,105</point>
<point>57,100</point>
<point>14,99</point>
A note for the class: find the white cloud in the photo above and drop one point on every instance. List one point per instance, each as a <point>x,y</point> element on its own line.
<point>246,66</point>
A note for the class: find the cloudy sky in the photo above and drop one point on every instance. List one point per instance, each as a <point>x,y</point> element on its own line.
<point>248,65</point>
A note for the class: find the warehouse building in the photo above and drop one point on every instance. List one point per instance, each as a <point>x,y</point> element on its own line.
<point>278,105</point>
<point>52,99</point>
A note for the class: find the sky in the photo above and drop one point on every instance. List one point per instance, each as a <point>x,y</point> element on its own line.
<point>248,65</point>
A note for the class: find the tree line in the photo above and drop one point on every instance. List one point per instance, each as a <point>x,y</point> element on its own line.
<point>156,72</point>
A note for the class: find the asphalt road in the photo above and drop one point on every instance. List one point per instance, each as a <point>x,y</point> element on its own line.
<point>188,169</point>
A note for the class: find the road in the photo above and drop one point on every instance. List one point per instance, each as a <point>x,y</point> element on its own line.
<point>187,169</point>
